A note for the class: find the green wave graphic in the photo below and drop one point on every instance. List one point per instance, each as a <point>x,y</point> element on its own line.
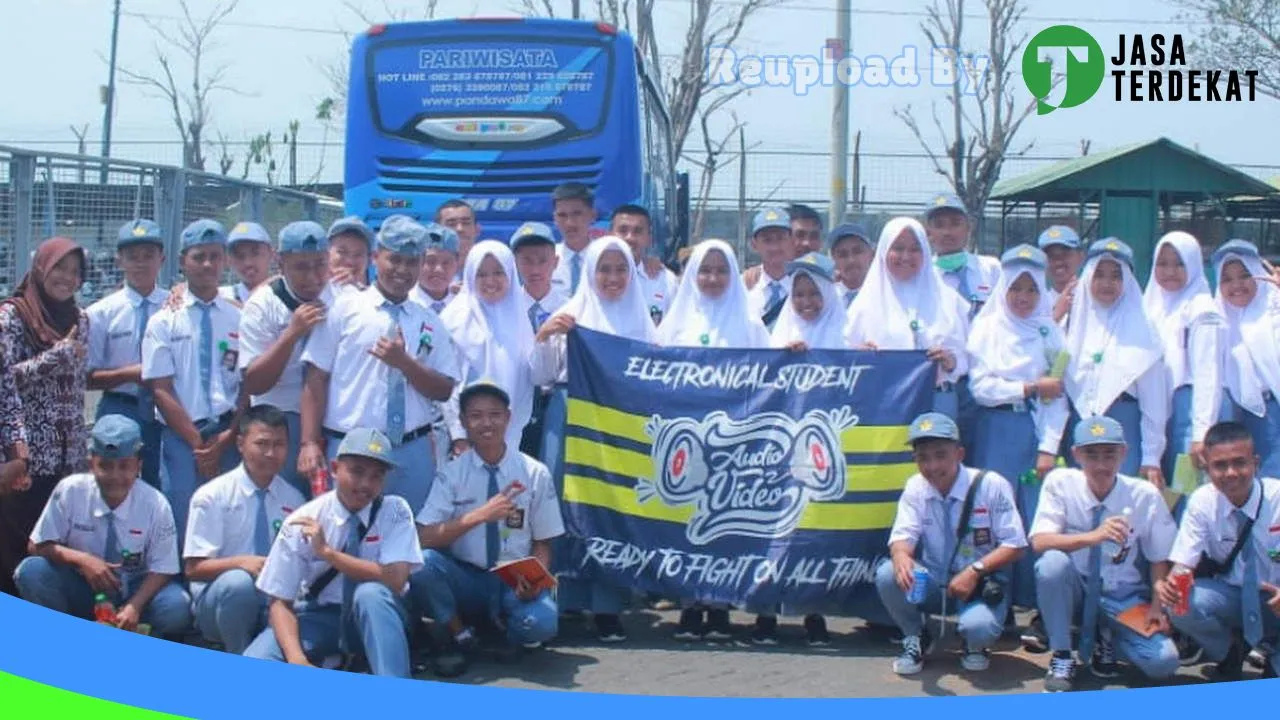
<point>29,699</point>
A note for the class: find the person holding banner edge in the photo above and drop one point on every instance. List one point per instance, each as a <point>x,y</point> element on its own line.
<point>957,531</point>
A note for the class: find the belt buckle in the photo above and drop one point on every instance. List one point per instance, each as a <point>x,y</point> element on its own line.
<point>1020,406</point>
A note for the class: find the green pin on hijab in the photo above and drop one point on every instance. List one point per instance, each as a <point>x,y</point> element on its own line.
<point>1097,358</point>
<point>705,339</point>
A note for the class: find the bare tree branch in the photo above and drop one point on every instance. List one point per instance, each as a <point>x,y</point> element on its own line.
<point>1241,34</point>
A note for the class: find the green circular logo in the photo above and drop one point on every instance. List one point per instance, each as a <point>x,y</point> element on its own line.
<point>1063,67</point>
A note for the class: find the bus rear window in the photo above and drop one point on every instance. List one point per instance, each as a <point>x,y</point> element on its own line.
<point>489,91</point>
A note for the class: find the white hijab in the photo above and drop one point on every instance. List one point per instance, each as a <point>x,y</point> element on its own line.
<point>494,337</point>
<point>628,316</point>
<point>726,322</point>
<point>886,308</point>
<point>1173,312</point>
<point>1123,333</point>
<point>826,332</point>
<point>1012,347</point>
<point>1253,365</point>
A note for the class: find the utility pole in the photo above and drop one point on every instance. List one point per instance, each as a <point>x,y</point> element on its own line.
<point>109,101</point>
<point>838,48</point>
<point>577,9</point>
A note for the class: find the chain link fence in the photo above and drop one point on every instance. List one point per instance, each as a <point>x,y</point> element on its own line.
<point>88,198</point>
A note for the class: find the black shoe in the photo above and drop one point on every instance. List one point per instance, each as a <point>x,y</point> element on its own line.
<point>609,629</point>
<point>766,630</point>
<point>691,627</point>
<point>815,629</point>
<point>1189,651</point>
<point>1034,639</point>
<point>718,627</point>
<point>1103,664</point>
<point>1232,666</point>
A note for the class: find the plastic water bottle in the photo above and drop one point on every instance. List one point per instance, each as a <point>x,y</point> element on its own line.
<point>1112,550</point>
<point>103,611</point>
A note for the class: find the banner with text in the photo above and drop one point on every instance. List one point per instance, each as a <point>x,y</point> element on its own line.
<point>752,477</point>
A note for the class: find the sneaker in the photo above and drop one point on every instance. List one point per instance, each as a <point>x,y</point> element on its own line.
<point>1104,663</point>
<point>975,660</point>
<point>1232,666</point>
<point>815,629</point>
<point>609,629</point>
<point>1260,656</point>
<point>690,627</point>
<point>718,628</point>
<point>766,630</point>
<point>1189,651</point>
<point>1034,638</point>
<point>911,661</point>
<point>1062,673</point>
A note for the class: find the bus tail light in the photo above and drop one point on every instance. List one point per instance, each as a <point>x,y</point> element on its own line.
<point>376,30</point>
<point>606,29</point>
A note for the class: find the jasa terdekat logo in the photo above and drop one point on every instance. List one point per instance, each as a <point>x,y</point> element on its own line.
<point>751,477</point>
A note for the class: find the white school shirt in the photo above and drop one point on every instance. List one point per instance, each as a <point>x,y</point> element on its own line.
<point>549,304</point>
<point>171,348</point>
<point>75,517</point>
<point>1208,528</point>
<point>758,296</point>
<point>292,566</point>
<point>982,273</point>
<point>1200,344</point>
<point>262,321</point>
<point>420,296</point>
<point>224,513</point>
<point>358,381</point>
<point>463,486</point>
<point>1066,508</point>
<point>657,292</point>
<point>239,292</point>
<point>991,390</point>
<point>1154,403</point>
<point>562,276</point>
<point>993,523</point>
<point>113,331</point>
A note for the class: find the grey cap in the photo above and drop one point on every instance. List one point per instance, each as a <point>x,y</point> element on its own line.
<point>771,218</point>
<point>248,232</point>
<point>203,232</point>
<point>1059,235</point>
<point>302,236</point>
<point>366,442</point>
<point>933,426</point>
<point>352,224</point>
<point>1097,430</point>
<point>139,231</point>
<point>816,264</point>
<point>532,233</point>
<point>944,201</point>
<point>1024,254</point>
<point>442,237</point>
<point>1114,247</point>
<point>403,235</point>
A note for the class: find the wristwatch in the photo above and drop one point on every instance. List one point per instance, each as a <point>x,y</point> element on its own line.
<point>979,567</point>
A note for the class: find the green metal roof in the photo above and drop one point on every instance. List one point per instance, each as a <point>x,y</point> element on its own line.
<point>1160,165</point>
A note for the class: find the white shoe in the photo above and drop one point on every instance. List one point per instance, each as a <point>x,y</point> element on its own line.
<point>911,661</point>
<point>975,660</point>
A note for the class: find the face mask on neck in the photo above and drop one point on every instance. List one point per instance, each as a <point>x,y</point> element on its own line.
<point>952,262</point>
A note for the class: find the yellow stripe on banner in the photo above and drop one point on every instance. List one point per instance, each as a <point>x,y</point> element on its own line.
<point>607,420</point>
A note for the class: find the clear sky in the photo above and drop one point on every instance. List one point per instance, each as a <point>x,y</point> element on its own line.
<point>52,51</point>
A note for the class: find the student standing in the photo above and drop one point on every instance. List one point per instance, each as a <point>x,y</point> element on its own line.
<point>534,247</point>
<point>440,267</point>
<point>633,224</point>
<point>852,251</point>
<point>460,217</point>
<point>573,207</point>
<point>250,253</point>
<point>772,240</point>
<point>117,324</point>
<point>350,244</point>
<point>1065,252</point>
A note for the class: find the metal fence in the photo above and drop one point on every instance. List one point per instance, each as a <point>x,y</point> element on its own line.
<point>88,198</point>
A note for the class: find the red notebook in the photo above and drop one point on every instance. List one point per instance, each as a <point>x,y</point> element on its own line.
<point>531,568</point>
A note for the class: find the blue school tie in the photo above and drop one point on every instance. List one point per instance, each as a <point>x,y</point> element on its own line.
<point>949,539</point>
<point>146,401</point>
<point>1250,594</point>
<point>261,528</point>
<point>776,296</point>
<point>206,355</point>
<point>535,314</point>
<point>849,296</point>
<point>351,548</point>
<point>492,541</point>
<point>395,391</point>
<point>437,307</point>
<point>962,274</point>
<point>111,552</point>
<point>575,269</point>
<point>1092,595</point>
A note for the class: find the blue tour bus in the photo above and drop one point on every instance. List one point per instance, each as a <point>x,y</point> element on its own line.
<point>498,112</point>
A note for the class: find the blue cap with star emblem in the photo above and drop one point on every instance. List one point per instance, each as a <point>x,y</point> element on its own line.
<point>302,236</point>
<point>845,230</point>
<point>771,218</point>
<point>1113,247</point>
<point>367,442</point>
<point>352,225</point>
<point>1097,430</point>
<point>1024,255</point>
<point>442,237</point>
<point>933,426</point>
<point>203,232</point>
<point>816,264</point>
<point>944,201</point>
<point>248,232</point>
<point>1059,235</point>
<point>1236,246</point>
<point>139,231</point>
<point>114,437</point>
<point>531,233</point>
<point>403,235</point>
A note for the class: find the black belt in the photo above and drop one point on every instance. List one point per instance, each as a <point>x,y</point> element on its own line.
<point>945,387</point>
<point>1010,407</point>
<point>207,426</point>
<point>1126,396</point>
<point>407,438</point>
<point>122,397</point>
